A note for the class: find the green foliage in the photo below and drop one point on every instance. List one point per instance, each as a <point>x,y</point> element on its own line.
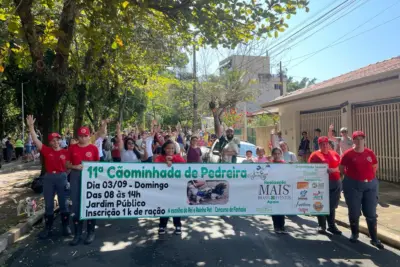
<point>293,85</point>
<point>263,120</point>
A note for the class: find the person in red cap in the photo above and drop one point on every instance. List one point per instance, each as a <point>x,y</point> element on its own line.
<point>54,181</point>
<point>332,158</point>
<point>360,187</point>
<point>82,151</point>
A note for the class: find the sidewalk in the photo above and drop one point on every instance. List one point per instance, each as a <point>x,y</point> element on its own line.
<point>17,165</point>
<point>388,211</point>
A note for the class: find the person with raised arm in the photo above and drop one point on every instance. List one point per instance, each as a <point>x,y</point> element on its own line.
<point>130,152</point>
<point>54,181</point>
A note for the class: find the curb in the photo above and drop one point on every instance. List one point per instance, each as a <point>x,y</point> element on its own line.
<point>386,237</point>
<point>18,167</point>
<point>19,230</point>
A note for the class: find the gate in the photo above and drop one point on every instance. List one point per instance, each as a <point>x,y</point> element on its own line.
<point>310,120</point>
<point>380,123</point>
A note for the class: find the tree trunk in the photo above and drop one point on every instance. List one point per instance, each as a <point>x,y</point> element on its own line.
<point>122,107</point>
<point>80,107</point>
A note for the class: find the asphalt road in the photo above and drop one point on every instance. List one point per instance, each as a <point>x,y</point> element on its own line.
<point>206,241</point>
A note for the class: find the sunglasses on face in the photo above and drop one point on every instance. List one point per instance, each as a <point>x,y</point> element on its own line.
<point>129,143</point>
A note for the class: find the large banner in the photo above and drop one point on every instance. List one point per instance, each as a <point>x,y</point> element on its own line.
<point>133,190</point>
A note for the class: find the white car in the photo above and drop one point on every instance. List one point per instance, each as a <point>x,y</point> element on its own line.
<point>213,156</point>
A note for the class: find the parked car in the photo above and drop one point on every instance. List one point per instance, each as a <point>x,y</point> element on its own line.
<point>214,155</point>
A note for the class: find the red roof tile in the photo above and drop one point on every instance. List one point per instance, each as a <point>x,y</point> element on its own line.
<point>370,70</point>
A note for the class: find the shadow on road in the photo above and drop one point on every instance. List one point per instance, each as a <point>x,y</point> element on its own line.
<point>206,241</point>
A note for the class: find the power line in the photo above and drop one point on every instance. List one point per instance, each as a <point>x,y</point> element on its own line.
<point>340,7</point>
<point>308,36</point>
<point>359,26</point>
<point>345,40</point>
<point>311,23</point>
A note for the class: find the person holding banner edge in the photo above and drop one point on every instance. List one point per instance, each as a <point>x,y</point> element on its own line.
<point>169,156</point>
<point>278,220</point>
<point>332,158</point>
<point>360,187</point>
<point>82,151</point>
<point>54,181</point>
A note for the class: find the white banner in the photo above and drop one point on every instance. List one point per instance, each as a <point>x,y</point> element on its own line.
<point>133,190</point>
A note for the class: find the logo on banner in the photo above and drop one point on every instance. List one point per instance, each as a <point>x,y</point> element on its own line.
<point>318,195</point>
<point>318,206</point>
<point>274,192</point>
<point>303,195</point>
<point>260,172</point>
<point>303,210</point>
<point>303,205</point>
<point>302,185</point>
<point>318,185</point>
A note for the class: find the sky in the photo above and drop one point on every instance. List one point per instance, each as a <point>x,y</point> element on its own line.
<point>377,44</point>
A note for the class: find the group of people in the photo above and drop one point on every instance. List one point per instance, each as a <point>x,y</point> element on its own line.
<point>357,164</point>
<point>18,149</point>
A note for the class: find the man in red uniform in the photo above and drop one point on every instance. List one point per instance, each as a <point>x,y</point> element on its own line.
<point>82,151</point>
<point>54,181</point>
<point>360,187</point>
<point>330,157</point>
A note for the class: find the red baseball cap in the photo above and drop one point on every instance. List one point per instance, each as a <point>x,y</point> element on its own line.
<point>358,133</point>
<point>323,139</point>
<point>51,136</point>
<point>83,131</point>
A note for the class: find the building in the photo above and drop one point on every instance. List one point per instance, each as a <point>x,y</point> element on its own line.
<point>266,86</point>
<point>366,99</point>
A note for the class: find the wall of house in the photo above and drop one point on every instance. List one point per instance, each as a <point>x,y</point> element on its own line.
<point>290,112</point>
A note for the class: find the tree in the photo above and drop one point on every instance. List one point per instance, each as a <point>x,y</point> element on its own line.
<point>293,85</point>
<point>224,92</point>
<point>63,43</point>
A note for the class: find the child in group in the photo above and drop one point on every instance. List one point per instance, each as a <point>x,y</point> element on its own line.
<point>169,156</point>
<point>279,220</point>
<point>260,151</point>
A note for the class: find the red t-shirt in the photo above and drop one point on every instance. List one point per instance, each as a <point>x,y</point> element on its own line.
<point>77,154</point>
<point>175,159</point>
<point>358,166</point>
<point>115,152</point>
<point>54,160</point>
<point>331,158</point>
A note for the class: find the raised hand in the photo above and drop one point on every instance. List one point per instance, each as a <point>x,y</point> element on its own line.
<point>30,120</point>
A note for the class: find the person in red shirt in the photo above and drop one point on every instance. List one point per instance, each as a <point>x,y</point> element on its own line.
<point>169,156</point>
<point>82,151</point>
<point>330,157</point>
<point>360,187</point>
<point>54,181</point>
<point>278,220</point>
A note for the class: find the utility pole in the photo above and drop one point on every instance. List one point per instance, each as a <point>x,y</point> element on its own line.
<point>281,78</point>
<point>195,126</point>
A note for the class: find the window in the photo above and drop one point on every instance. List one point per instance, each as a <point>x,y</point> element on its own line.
<point>263,77</point>
<point>277,86</point>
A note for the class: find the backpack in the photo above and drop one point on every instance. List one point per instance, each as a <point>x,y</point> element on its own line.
<point>37,185</point>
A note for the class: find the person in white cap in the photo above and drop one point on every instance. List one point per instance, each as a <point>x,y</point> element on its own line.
<point>344,142</point>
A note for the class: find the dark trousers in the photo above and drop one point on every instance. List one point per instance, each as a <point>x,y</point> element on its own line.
<point>55,184</point>
<point>335,188</point>
<point>279,221</point>
<point>149,160</point>
<point>18,152</point>
<point>5,154</point>
<point>164,221</point>
<point>116,159</point>
<point>75,182</point>
<point>361,196</point>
